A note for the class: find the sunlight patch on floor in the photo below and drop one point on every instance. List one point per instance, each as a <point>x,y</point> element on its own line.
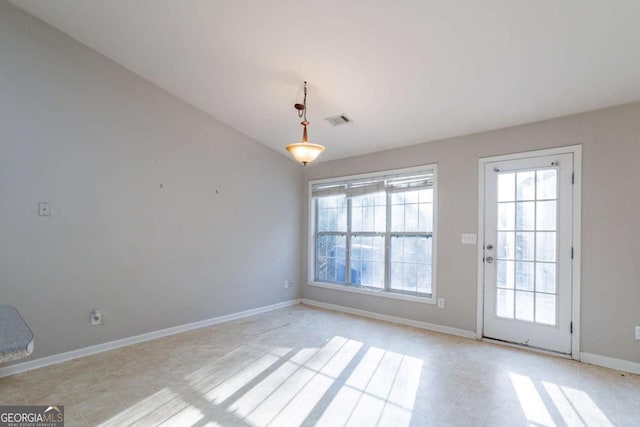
<point>565,408</point>
<point>530,400</point>
<point>189,416</point>
<point>223,391</point>
<point>281,389</point>
<point>144,407</point>
<point>279,400</point>
<point>382,389</point>
<point>586,408</point>
<point>259,393</point>
<point>575,407</point>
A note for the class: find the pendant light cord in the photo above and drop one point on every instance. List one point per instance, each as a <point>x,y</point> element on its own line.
<point>303,113</point>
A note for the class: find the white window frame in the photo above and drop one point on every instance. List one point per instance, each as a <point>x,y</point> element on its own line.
<point>311,265</point>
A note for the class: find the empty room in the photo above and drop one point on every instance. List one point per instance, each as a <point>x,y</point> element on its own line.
<point>295,213</point>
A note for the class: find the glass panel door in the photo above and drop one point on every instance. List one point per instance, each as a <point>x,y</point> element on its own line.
<point>528,251</point>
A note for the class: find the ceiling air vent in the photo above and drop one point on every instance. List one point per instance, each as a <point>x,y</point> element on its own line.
<point>339,119</point>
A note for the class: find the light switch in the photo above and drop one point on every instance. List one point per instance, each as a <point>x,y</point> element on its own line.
<point>469,239</point>
<point>44,209</point>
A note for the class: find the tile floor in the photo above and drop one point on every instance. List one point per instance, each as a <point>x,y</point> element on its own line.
<point>311,367</point>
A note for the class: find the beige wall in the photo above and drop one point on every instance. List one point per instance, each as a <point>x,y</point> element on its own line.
<point>610,222</point>
<point>220,236</point>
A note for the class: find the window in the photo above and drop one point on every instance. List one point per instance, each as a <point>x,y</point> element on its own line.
<point>375,232</point>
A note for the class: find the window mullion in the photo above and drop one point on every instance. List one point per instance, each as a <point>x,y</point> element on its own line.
<point>347,273</point>
<point>387,246</point>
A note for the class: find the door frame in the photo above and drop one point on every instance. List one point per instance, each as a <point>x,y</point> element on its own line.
<point>576,150</point>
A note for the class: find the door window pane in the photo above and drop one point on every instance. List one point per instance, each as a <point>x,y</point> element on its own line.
<point>546,309</point>
<point>525,185</point>
<point>524,276</point>
<point>546,246</point>
<point>504,303</point>
<point>524,246</point>
<point>525,216</point>
<point>506,246</point>
<point>524,306</point>
<point>546,277</point>
<point>505,274</point>
<point>506,216</point>
<point>546,184</point>
<point>546,215</point>
<point>506,187</point>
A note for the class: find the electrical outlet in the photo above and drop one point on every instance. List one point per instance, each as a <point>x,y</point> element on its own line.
<point>638,333</point>
<point>440,302</point>
<point>288,284</point>
<point>96,317</point>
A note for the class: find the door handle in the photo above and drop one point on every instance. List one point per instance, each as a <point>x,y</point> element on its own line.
<point>489,259</point>
<point>489,246</point>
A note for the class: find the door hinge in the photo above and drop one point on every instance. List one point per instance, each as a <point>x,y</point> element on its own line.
<point>571,327</point>
<point>571,252</point>
<point>573,177</point>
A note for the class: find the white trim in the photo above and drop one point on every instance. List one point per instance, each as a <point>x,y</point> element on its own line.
<point>374,292</point>
<point>393,319</point>
<point>480,246</point>
<point>311,250</point>
<point>111,345</point>
<point>435,233</point>
<point>610,362</point>
<point>577,251</point>
<point>576,150</point>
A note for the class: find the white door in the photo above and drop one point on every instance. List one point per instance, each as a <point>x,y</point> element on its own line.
<point>528,251</point>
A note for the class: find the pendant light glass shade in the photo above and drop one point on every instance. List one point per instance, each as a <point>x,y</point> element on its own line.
<point>304,151</point>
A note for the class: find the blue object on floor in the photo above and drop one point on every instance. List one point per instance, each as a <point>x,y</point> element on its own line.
<point>16,339</point>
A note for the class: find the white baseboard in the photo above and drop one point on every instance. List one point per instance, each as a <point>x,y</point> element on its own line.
<point>594,359</point>
<point>610,362</point>
<point>392,319</point>
<point>99,348</point>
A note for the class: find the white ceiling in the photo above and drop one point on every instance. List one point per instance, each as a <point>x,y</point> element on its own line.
<point>405,71</point>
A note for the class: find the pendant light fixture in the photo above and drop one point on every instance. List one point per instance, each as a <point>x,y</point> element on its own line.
<point>304,151</point>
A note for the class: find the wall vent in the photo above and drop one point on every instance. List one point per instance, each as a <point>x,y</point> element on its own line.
<point>338,119</point>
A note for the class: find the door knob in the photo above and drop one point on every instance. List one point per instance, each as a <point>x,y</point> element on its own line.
<point>489,259</point>
<point>489,246</point>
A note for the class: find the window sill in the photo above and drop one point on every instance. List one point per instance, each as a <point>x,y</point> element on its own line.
<point>375,293</point>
